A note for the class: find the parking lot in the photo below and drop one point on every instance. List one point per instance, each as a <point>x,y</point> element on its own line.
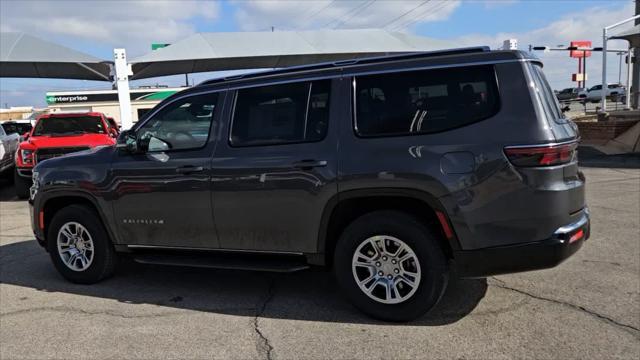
<point>588,307</point>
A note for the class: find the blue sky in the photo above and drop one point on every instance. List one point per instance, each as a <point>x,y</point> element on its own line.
<point>95,27</point>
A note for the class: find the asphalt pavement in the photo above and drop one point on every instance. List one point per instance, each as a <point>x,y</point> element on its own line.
<point>588,307</point>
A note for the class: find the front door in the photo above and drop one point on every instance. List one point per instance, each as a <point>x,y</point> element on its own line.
<point>162,192</point>
<point>273,176</point>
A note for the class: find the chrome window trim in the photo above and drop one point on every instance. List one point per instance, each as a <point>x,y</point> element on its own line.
<point>550,144</point>
<point>354,71</point>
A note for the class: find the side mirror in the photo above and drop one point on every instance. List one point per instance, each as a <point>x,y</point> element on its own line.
<point>25,136</point>
<point>128,141</point>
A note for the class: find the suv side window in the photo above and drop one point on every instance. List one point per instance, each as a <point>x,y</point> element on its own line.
<point>181,125</point>
<point>425,101</point>
<point>281,114</point>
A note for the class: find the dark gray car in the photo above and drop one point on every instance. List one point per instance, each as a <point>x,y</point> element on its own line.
<point>397,172</point>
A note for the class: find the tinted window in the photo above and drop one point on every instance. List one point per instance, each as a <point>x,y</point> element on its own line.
<point>19,128</point>
<point>183,124</point>
<point>545,95</point>
<point>424,101</point>
<point>281,114</point>
<point>69,125</point>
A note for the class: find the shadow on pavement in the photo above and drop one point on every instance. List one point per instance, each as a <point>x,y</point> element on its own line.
<point>310,295</point>
<point>7,192</point>
<point>590,157</point>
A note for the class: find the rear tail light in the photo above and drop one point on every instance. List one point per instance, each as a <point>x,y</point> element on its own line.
<point>541,155</point>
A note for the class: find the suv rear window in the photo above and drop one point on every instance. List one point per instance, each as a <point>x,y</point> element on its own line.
<point>545,95</point>
<point>425,101</point>
<point>281,114</point>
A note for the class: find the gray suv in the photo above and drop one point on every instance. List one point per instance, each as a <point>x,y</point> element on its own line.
<point>396,172</point>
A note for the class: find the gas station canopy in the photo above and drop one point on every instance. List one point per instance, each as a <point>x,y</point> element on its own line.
<point>204,52</point>
<point>23,55</point>
<point>632,36</point>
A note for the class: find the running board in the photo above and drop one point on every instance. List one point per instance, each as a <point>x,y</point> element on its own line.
<point>231,261</point>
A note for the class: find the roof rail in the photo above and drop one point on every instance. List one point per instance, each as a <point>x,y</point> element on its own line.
<point>350,62</point>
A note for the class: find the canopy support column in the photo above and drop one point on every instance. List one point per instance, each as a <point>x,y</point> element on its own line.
<point>123,71</point>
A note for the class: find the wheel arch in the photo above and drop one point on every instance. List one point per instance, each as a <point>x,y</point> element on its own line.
<point>59,200</point>
<point>345,207</point>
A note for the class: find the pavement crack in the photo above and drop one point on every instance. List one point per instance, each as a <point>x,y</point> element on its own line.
<point>67,309</point>
<point>264,345</point>
<point>626,327</point>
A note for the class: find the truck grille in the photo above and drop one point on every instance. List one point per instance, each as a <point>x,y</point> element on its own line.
<point>50,153</point>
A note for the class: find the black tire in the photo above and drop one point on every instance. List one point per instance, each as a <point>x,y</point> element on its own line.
<point>104,257</point>
<point>422,240</point>
<point>21,185</point>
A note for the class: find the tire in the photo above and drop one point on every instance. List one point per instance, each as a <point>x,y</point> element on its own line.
<point>21,185</point>
<point>102,259</point>
<point>422,241</point>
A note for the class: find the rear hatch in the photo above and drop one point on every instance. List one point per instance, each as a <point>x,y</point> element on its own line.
<point>552,168</point>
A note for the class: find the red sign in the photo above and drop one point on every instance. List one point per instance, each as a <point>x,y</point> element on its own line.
<point>580,53</point>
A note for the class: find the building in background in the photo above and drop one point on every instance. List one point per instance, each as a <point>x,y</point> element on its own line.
<point>17,113</point>
<point>106,101</point>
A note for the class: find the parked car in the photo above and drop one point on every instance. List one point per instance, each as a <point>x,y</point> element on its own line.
<point>396,172</point>
<point>594,94</point>
<point>20,127</point>
<point>567,94</point>
<point>58,134</point>
<point>113,125</point>
<point>8,145</point>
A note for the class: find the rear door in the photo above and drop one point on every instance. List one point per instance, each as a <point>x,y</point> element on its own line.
<point>276,170</point>
<point>162,196</point>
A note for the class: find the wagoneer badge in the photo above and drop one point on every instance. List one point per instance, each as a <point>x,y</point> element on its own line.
<point>143,221</point>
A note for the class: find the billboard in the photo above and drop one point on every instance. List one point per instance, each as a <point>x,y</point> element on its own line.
<point>580,53</point>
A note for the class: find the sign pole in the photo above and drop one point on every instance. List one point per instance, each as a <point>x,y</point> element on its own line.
<point>122,73</point>
<point>603,99</point>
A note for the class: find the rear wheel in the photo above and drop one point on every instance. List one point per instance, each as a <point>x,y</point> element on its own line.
<point>79,246</point>
<point>21,184</point>
<point>390,266</point>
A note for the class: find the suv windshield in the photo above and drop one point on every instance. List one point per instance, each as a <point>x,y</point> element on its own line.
<point>69,125</point>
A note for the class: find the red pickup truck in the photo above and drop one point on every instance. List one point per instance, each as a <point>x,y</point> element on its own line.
<point>56,135</point>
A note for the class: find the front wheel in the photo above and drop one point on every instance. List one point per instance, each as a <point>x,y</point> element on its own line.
<point>79,246</point>
<point>390,266</point>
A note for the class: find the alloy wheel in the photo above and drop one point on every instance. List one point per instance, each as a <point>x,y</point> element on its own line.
<point>386,269</point>
<point>75,246</point>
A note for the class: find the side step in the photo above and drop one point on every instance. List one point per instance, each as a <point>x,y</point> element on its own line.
<point>225,260</point>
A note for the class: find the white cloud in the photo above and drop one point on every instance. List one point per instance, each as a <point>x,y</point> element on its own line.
<point>585,24</point>
<point>345,14</point>
<point>135,24</point>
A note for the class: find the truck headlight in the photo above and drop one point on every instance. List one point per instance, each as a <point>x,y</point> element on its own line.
<point>26,156</point>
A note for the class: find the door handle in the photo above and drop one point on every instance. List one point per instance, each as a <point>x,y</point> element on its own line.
<point>189,169</point>
<point>309,164</point>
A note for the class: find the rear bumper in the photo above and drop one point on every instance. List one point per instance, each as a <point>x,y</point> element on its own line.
<point>527,256</point>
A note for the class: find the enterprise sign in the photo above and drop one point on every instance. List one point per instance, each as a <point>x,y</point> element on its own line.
<point>152,95</point>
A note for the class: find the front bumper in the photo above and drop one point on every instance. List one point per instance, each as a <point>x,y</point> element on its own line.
<point>26,172</point>
<point>527,256</point>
